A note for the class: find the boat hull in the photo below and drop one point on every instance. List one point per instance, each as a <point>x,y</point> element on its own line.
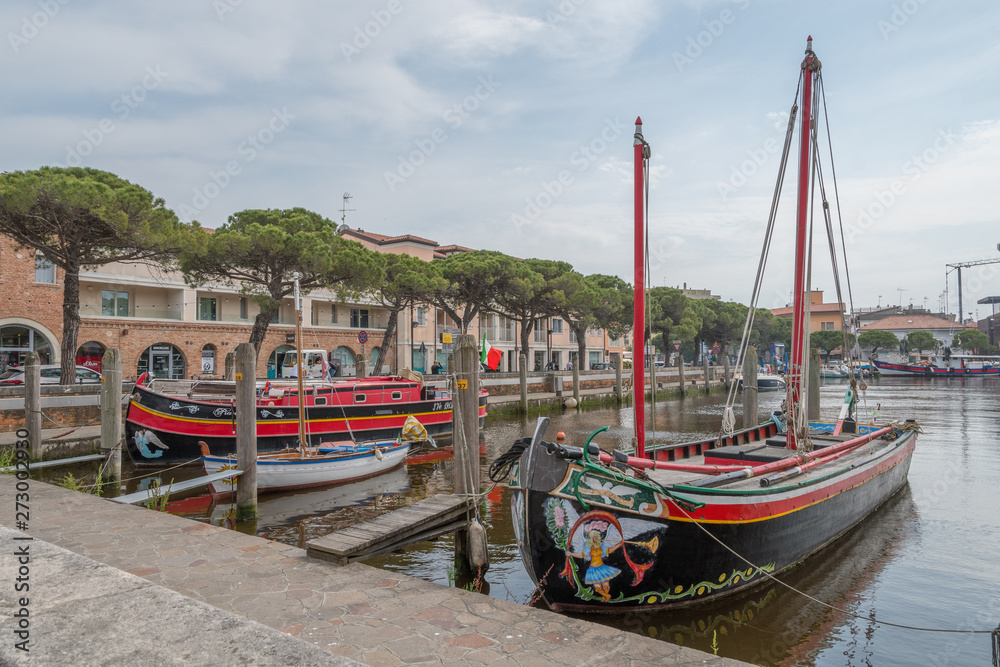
<point>920,370</point>
<point>665,553</point>
<point>287,474</point>
<point>164,430</point>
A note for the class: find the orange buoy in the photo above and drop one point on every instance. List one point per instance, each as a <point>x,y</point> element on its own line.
<point>560,437</point>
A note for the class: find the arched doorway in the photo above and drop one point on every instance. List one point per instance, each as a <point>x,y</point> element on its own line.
<point>162,360</point>
<point>16,340</point>
<point>90,354</point>
<point>275,359</point>
<point>344,358</point>
<point>208,360</point>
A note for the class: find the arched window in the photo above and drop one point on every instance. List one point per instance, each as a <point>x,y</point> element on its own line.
<point>372,360</point>
<point>16,340</point>
<point>208,360</point>
<point>275,358</point>
<point>162,360</point>
<point>90,354</point>
<point>344,356</point>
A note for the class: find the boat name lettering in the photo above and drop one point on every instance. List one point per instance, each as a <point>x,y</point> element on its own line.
<point>190,408</point>
<point>441,405</point>
<point>222,412</point>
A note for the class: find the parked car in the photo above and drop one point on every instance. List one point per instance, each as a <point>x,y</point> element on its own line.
<point>602,367</point>
<point>50,374</point>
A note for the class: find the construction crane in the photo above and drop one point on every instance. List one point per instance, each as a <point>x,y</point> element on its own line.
<point>958,267</point>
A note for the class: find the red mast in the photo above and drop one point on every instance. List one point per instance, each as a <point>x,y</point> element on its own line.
<point>800,342</point>
<point>639,311</point>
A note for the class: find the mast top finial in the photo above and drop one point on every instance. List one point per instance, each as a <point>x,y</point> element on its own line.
<point>638,120</point>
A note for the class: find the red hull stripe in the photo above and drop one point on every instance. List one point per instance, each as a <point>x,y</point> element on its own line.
<point>751,510</point>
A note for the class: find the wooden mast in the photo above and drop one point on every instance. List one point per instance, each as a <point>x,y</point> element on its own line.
<point>301,365</point>
<point>800,338</point>
<point>639,310</point>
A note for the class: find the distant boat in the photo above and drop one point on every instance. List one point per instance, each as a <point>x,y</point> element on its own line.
<point>833,371</point>
<point>766,382</point>
<point>608,532</point>
<point>931,365</point>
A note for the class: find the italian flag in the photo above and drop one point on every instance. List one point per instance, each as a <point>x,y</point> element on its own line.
<point>491,355</point>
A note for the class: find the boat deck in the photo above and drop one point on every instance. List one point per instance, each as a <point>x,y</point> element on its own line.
<point>763,452</point>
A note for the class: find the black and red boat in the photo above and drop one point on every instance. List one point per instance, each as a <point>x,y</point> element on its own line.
<point>676,525</point>
<point>165,420</point>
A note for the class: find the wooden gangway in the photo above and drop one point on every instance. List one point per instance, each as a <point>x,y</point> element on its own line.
<point>423,520</point>
<point>57,462</point>
<point>176,487</point>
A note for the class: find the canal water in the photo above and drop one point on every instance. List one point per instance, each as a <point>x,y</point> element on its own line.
<point>928,558</point>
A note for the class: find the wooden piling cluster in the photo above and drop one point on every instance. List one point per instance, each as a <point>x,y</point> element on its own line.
<point>246,431</point>
<point>111,414</point>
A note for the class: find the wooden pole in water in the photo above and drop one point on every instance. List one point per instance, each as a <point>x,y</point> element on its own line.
<point>246,431</point>
<point>725,366</point>
<point>680,372</point>
<point>231,366</point>
<point>750,388</point>
<point>576,382</point>
<point>111,415</point>
<point>465,430</point>
<point>33,405</point>
<point>617,360</point>
<point>812,394</point>
<point>704,370</point>
<point>522,372</point>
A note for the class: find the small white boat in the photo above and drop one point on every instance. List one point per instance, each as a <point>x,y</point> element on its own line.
<point>335,463</point>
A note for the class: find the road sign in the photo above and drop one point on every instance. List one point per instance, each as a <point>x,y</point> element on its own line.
<point>677,346</point>
<point>363,337</point>
<point>715,348</point>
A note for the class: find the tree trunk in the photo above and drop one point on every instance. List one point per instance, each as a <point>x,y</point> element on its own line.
<point>390,331</point>
<point>71,324</point>
<point>260,325</point>
<point>581,348</point>
<point>526,328</point>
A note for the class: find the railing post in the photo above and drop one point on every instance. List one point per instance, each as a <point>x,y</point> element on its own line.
<point>246,431</point>
<point>33,405</point>
<point>111,415</point>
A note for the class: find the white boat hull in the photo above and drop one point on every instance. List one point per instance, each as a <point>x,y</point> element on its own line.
<point>284,474</point>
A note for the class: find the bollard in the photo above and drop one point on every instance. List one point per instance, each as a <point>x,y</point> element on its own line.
<point>812,403</point>
<point>230,366</point>
<point>465,433</point>
<point>522,371</point>
<point>33,405</point>
<point>361,368</point>
<point>246,431</point>
<point>111,415</point>
<point>750,388</point>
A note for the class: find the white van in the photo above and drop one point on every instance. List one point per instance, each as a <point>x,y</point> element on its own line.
<point>315,364</point>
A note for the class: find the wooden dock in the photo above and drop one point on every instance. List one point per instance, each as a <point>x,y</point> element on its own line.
<point>423,520</point>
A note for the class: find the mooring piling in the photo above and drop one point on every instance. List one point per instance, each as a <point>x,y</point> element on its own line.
<point>812,402</point>
<point>246,431</point>
<point>470,552</point>
<point>33,405</point>
<point>111,415</point>
<point>704,369</point>
<point>680,373</point>
<point>750,388</point>
<point>522,372</point>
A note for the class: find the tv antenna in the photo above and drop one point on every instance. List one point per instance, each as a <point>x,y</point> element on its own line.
<point>343,208</point>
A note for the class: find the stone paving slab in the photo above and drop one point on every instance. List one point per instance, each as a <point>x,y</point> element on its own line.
<point>82,612</point>
<point>355,611</point>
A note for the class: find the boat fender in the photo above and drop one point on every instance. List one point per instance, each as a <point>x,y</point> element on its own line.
<point>479,557</point>
<point>620,456</point>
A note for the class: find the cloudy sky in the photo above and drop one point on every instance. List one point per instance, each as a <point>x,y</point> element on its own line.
<point>507,125</point>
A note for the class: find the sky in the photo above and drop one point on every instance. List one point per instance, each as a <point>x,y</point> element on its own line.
<point>508,125</point>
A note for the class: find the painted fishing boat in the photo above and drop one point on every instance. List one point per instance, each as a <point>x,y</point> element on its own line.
<point>930,365</point>
<point>165,420</point>
<point>680,524</point>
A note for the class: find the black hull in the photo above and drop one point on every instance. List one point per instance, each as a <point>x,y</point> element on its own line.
<point>674,561</point>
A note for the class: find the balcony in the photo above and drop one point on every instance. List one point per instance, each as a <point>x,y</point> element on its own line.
<point>138,312</point>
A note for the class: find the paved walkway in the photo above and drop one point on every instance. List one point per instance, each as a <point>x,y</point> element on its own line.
<point>356,611</point>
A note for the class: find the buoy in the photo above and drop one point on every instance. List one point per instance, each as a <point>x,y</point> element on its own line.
<point>479,557</point>
<point>560,437</point>
<point>378,453</point>
<point>570,402</point>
